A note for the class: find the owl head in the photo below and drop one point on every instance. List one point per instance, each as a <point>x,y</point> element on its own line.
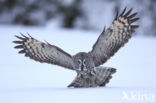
<point>83,63</point>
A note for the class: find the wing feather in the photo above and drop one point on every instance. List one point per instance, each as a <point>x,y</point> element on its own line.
<point>43,52</point>
<point>114,37</point>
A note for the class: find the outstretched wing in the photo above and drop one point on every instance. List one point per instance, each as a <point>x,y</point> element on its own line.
<point>114,37</point>
<point>43,52</point>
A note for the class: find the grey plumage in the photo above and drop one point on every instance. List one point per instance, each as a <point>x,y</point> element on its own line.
<point>87,65</point>
<point>111,40</point>
<point>102,77</point>
<point>44,52</point>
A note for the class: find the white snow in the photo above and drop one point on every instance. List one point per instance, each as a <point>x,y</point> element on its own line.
<point>25,81</point>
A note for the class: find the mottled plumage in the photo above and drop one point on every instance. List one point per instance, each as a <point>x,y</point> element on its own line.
<point>43,52</point>
<point>102,77</point>
<point>87,65</point>
<point>110,40</point>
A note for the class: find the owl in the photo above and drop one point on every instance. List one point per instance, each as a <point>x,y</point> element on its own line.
<point>87,65</point>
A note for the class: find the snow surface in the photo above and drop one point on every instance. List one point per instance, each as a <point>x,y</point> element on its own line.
<point>25,81</point>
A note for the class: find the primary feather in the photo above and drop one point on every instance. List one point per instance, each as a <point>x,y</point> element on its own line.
<point>111,40</point>
<point>43,52</point>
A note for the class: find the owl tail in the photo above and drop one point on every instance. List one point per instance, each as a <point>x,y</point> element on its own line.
<point>104,74</point>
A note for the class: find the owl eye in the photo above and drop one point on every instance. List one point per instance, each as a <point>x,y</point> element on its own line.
<point>84,61</point>
<point>79,61</point>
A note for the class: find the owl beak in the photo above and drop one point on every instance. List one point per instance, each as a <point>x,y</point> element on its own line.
<point>82,68</point>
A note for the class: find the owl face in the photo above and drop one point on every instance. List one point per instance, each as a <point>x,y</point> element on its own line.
<point>83,63</point>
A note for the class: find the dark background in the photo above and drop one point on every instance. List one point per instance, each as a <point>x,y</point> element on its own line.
<point>82,14</point>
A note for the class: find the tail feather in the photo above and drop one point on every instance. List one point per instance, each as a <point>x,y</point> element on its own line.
<point>102,77</point>
<point>104,74</point>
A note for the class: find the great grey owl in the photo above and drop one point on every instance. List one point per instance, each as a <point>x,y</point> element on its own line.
<point>87,65</point>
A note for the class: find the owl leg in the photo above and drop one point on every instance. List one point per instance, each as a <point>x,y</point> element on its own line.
<point>104,74</point>
<point>90,82</point>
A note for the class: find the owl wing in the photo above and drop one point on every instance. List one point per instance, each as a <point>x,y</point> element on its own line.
<point>43,52</point>
<point>104,74</point>
<point>112,39</point>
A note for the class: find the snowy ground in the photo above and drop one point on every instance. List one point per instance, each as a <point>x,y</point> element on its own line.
<point>25,81</point>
